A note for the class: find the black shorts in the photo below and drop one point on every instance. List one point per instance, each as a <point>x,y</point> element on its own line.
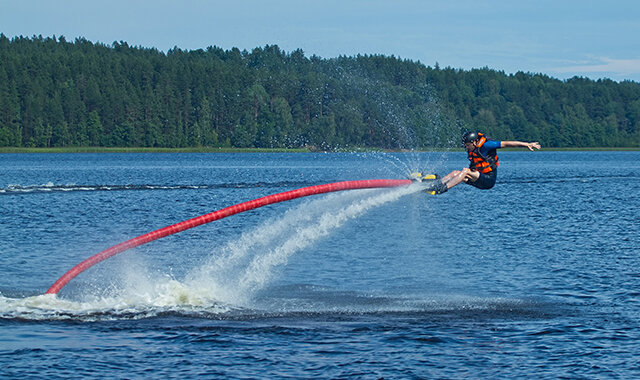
<point>485,181</point>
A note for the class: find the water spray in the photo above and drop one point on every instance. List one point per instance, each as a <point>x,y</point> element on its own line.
<point>222,213</point>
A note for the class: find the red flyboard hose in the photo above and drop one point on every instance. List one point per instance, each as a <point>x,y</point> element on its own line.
<point>223,213</point>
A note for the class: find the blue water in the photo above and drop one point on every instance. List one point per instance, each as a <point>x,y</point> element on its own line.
<point>538,277</point>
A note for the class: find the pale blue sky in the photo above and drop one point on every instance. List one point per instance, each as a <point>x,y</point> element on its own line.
<point>561,38</point>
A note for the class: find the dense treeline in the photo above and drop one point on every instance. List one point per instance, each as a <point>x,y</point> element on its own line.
<point>55,93</point>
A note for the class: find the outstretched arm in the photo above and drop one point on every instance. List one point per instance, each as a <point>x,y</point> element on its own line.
<point>517,144</point>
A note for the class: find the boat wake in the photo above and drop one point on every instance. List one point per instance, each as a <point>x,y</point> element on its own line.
<point>178,301</point>
<point>50,187</point>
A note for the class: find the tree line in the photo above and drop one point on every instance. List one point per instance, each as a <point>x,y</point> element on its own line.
<point>56,93</point>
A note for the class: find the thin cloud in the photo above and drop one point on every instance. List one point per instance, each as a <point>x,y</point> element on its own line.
<point>620,67</point>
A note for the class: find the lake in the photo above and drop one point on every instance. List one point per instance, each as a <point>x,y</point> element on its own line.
<point>538,277</point>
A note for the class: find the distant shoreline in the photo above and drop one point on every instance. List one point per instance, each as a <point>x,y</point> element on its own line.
<point>265,150</point>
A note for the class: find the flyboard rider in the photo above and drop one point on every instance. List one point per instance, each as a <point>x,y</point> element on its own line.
<point>483,163</point>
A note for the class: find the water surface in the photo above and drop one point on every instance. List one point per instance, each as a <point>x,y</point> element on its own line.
<point>537,277</point>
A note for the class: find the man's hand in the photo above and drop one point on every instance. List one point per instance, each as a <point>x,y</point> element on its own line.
<point>470,175</point>
<point>532,145</point>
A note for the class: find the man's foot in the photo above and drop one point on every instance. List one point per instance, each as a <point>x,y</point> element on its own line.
<point>436,187</point>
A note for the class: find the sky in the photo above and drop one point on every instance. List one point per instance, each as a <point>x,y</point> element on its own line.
<point>560,38</point>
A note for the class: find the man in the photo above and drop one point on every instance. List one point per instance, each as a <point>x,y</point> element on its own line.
<point>483,166</point>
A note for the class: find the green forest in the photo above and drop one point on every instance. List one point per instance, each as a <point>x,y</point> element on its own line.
<point>57,93</point>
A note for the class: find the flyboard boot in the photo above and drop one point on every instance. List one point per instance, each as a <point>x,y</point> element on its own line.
<point>436,187</point>
<point>434,183</point>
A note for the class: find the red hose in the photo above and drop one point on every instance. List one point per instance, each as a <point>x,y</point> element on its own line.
<point>223,213</point>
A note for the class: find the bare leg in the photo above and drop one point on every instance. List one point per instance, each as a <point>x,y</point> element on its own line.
<point>452,179</point>
<point>457,176</point>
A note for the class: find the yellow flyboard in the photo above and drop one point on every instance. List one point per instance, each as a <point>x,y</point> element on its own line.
<point>419,177</point>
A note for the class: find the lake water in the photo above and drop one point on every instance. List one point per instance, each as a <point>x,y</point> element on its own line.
<point>538,277</point>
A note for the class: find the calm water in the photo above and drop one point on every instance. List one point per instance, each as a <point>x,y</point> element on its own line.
<point>539,277</point>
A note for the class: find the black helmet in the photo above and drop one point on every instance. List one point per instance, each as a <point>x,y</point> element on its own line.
<point>469,137</point>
